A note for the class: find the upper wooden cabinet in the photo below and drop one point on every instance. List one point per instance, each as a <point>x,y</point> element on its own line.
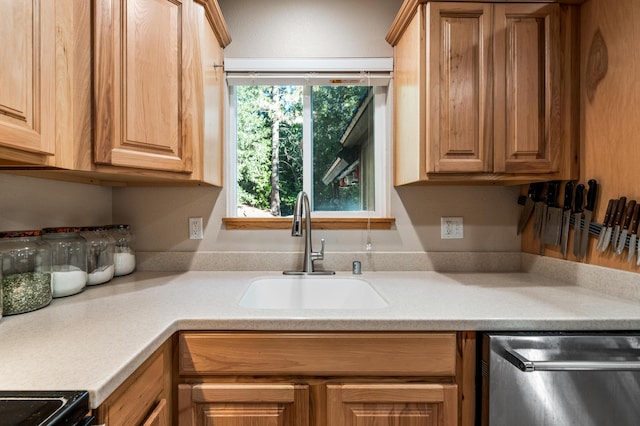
<point>140,102</point>
<point>27,63</point>
<point>485,92</point>
<point>157,86</point>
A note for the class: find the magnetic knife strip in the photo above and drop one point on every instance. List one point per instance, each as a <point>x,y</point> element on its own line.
<point>594,227</point>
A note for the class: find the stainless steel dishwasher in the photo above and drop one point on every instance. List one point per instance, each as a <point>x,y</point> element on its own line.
<point>559,379</point>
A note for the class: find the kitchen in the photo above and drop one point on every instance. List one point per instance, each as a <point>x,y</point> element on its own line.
<point>490,212</point>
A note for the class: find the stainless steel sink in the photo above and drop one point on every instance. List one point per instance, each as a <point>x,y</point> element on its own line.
<point>311,292</point>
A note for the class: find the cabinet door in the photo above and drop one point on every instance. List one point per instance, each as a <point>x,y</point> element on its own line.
<point>527,88</point>
<point>246,404</point>
<point>392,405</point>
<point>27,65</point>
<point>458,94</point>
<point>143,84</point>
<point>158,416</point>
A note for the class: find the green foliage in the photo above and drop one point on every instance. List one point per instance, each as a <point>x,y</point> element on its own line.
<point>257,110</point>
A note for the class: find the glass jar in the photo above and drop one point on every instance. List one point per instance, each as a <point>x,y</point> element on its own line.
<point>100,249</point>
<point>26,272</point>
<point>69,260</point>
<point>124,256</point>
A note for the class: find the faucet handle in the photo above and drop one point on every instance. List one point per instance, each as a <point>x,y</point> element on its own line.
<point>318,255</point>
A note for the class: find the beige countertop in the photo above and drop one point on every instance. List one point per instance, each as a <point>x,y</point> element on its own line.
<point>94,340</point>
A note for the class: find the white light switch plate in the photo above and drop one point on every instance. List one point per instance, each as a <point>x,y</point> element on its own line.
<point>195,228</point>
<point>451,227</point>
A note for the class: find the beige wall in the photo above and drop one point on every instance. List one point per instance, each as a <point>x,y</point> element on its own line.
<point>160,216</point>
<point>308,28</point>
<point>30,203</point>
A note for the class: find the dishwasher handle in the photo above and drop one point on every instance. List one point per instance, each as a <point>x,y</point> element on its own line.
<point>529,366</point>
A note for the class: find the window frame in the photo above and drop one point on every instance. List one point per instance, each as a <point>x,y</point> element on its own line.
<point>302,72</point>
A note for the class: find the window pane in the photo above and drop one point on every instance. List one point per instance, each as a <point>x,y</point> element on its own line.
<point>270,150</point>
<point>343,172</point>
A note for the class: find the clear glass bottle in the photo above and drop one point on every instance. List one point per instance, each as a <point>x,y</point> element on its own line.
<point>124,256</point>
<point>26,272</point>
<point>69,260</point>
<point>100,250</point>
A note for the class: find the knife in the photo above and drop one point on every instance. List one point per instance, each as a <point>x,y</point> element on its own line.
<point>611,210</point>
<point>628,214</point>
<point>532,196</point>
<point>539,211</point>
<point>633,230</point>
<point>618,224</point>
<point>588,214</point>
<point>612,220</point>
<point>577,217</point>
<point>566,217</point>
<point>552,218</point>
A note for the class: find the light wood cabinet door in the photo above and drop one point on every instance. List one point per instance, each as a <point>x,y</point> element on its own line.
<point>485,92</point>
<point>145,397</point>
<point>246,404</point>
<point>527,101</point>
<point>27,66</point>
<point>391,404</point>
<point>143,84</point>
<point>458,86</point>
<point>158,416</point>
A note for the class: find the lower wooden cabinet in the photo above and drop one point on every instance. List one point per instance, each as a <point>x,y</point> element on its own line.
<point>318,379</point>
<point>145,397</point>
<point>250,404</point>
<point>391,404</point>
<point>346,404</point>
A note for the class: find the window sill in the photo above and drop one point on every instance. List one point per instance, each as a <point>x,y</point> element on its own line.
<point>244,223</point>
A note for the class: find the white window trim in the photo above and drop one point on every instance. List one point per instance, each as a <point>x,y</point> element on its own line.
<point>263,72</point>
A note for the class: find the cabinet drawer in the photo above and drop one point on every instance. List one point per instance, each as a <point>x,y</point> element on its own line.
<point>362,354</point>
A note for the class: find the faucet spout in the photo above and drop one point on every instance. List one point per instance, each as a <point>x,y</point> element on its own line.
<point>302,209</point>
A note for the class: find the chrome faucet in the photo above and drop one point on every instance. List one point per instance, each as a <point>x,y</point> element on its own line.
<point>301,208</point>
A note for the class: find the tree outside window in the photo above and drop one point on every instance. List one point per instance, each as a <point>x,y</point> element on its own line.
<point>270,148</point>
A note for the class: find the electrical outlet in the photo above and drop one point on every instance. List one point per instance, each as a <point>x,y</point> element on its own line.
<point>451,227</point>
<point>195,228</point>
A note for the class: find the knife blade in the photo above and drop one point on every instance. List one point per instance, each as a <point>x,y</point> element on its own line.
<point>552,221</point>
<point>532,195</point>
<point>577,218</point>
<point>539,212</point>
<point>628,214</point>
<point>566,217</point>
<point>592,194</point>
<point>633,230</point>
<point>611,210</point>
<point>618,224</point>
<point>612,220</point>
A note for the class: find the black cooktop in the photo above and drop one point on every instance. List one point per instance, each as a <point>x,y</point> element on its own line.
<point>43,408</point>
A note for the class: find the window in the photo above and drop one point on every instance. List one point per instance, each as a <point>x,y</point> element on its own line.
<point>325,135</point>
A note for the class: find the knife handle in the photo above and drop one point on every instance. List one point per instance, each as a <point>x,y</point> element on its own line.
<point>614,212</point>
<point>634,220</point>
<point>591,194</point>
<point>537,190</point>
<point>577,205</point>
<point>610,210</point>
<point>628,213</point>
<point>620,210</point>
<point>552,193</point>
<point>568,195</point>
